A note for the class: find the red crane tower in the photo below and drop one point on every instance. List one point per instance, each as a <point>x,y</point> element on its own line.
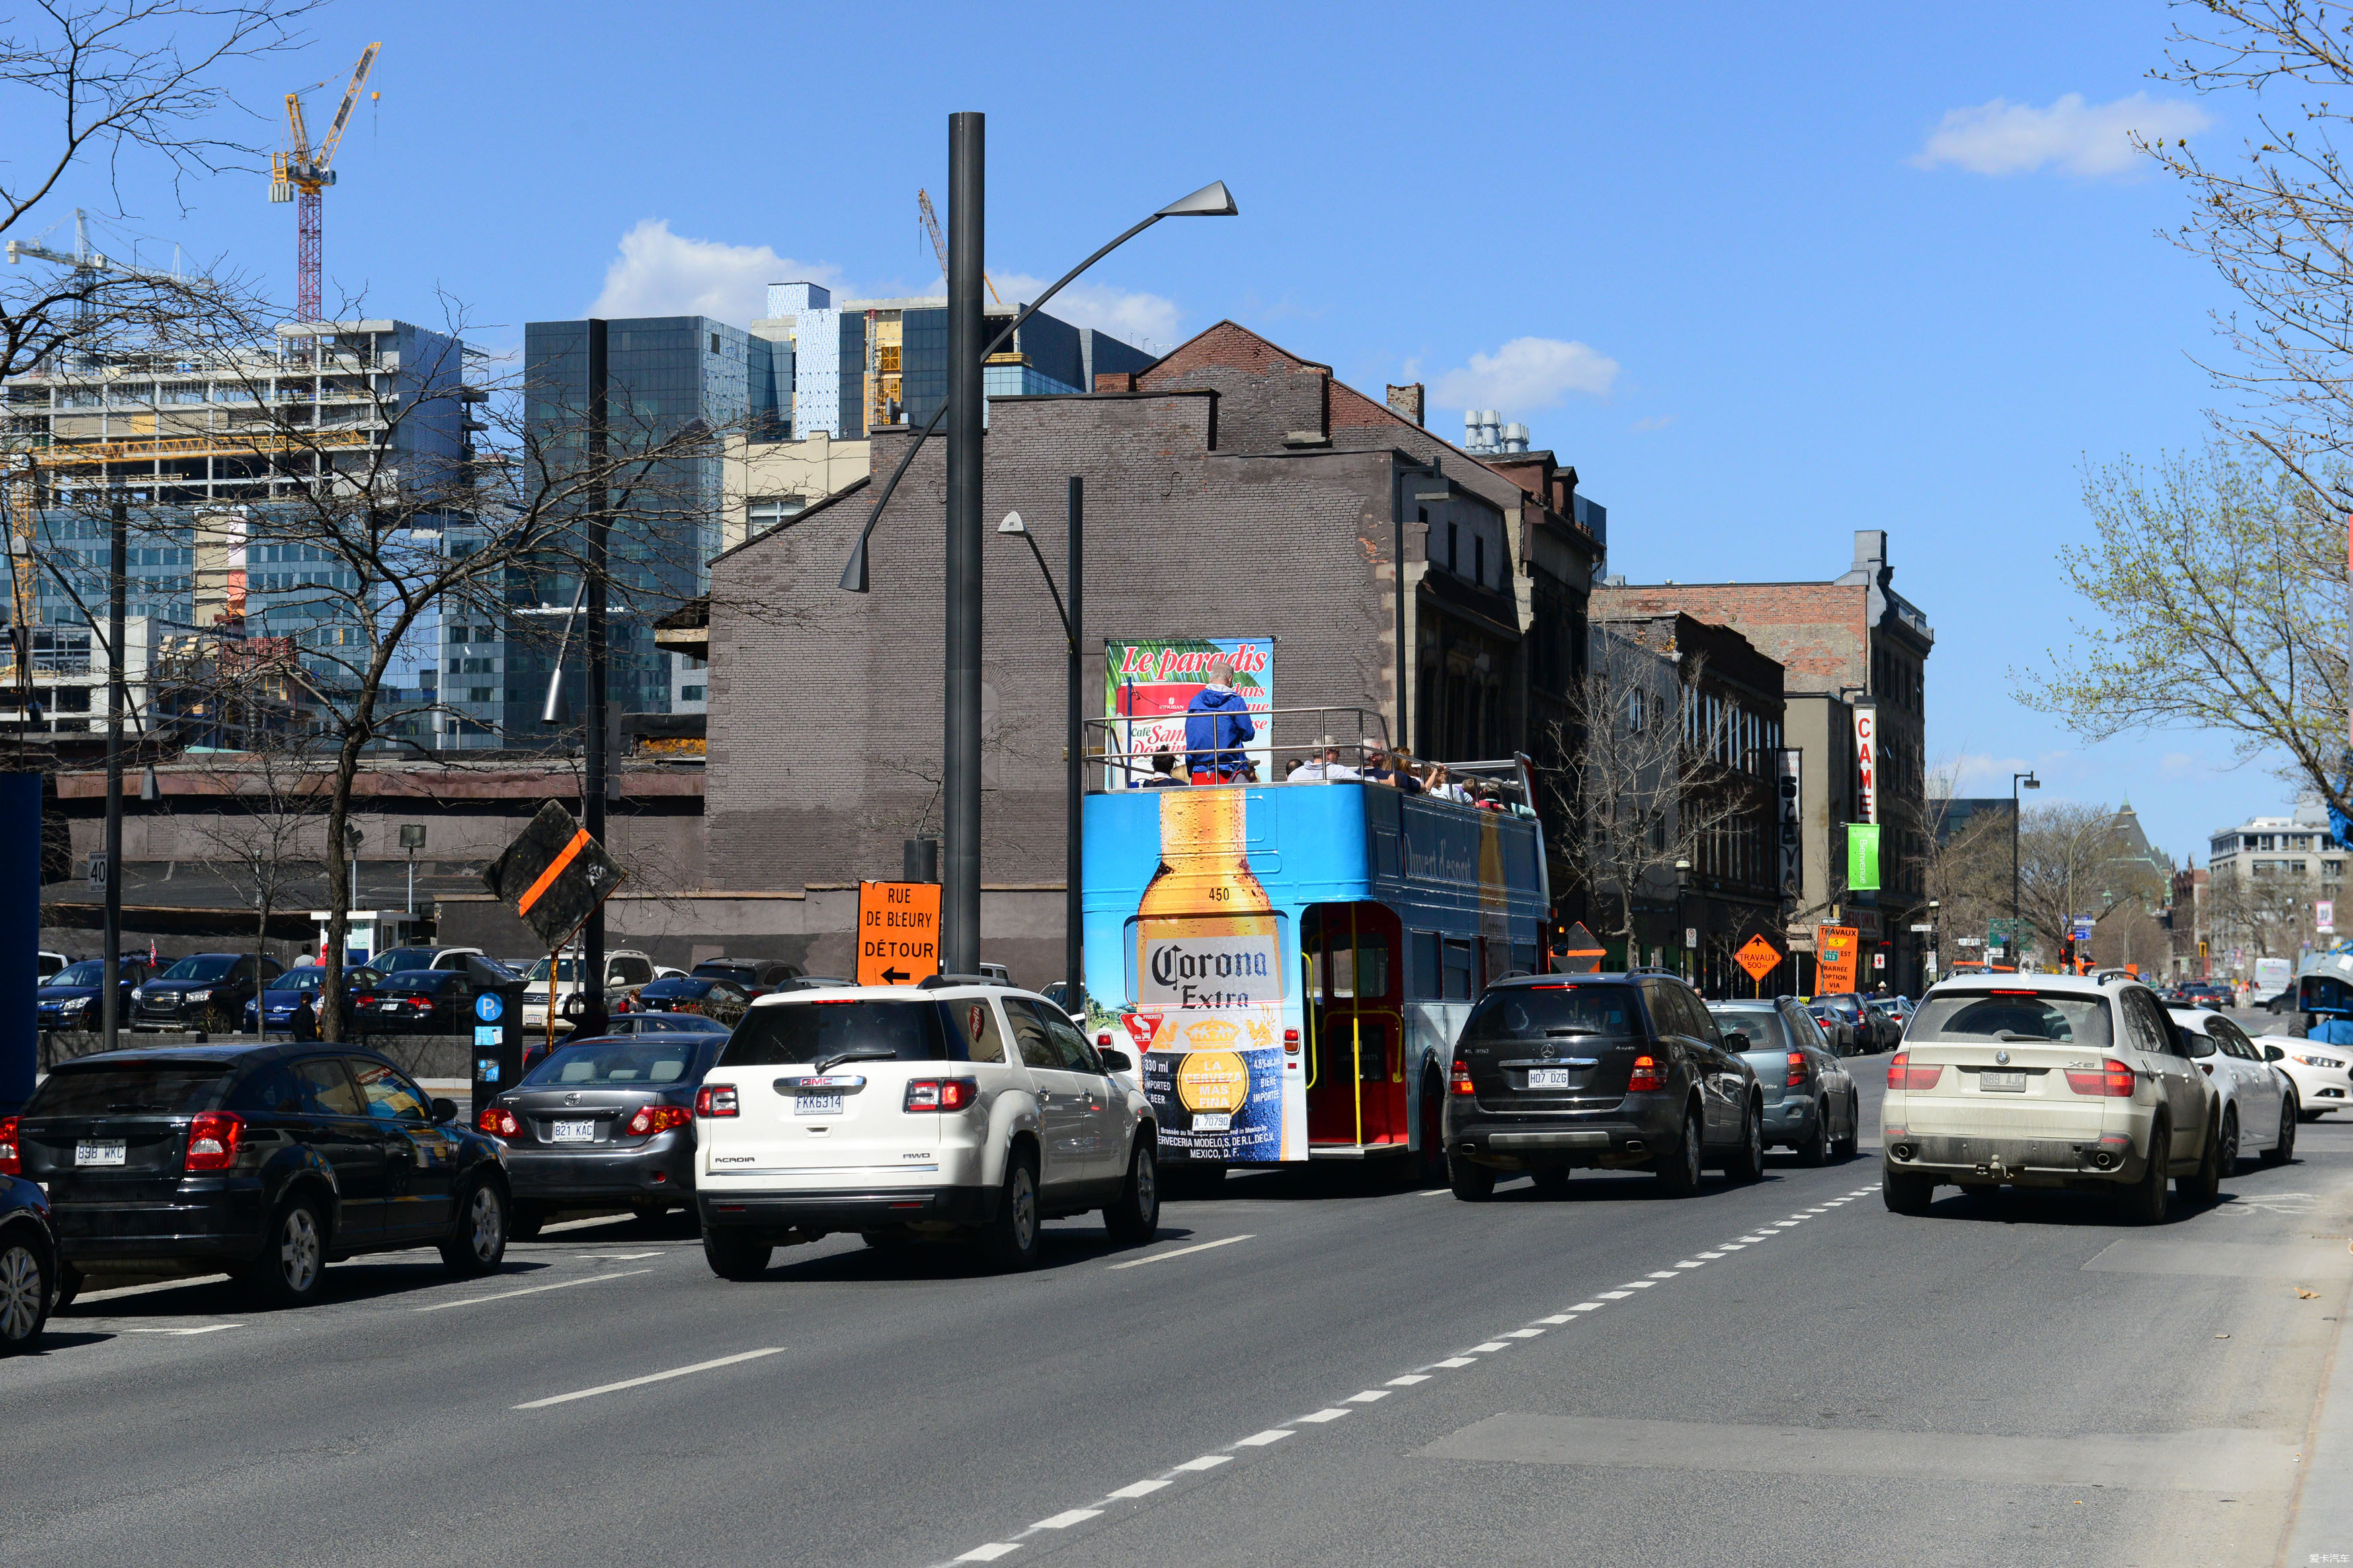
<point>299,172</point>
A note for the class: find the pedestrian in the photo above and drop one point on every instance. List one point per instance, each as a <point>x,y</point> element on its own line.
<point>304,1023</point>
<point>1217,721</point>
<point>1164,772</point>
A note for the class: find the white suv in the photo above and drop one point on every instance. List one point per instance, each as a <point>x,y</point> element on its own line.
<point>2047,1081</point>
<point>913,1113</point>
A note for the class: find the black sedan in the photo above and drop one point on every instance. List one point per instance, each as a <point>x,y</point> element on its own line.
<point>69,999</point>
<point>270,1161</point>
<point>28,1252</point>
<point>417,1002</point>
<point>608,1121</point>
<point>204,991</point>
<point>721,1001</point>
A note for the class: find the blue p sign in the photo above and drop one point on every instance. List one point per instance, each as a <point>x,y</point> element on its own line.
<point>489,1005</point>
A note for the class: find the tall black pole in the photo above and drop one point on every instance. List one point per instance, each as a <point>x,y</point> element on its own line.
<point>592,940</point>
<point>1074,875</point>
<point>960,805</point>
<point>118,571</point>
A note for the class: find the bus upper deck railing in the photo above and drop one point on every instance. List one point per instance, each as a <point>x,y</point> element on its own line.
<point>1330,744</point>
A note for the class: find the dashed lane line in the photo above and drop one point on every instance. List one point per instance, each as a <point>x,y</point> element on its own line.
<point>651,1377</point>
<point>530,1290</point>
<point>1184,1251</point>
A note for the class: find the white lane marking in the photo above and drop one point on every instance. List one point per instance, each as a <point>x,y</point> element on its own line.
<point>1320,1416</point>
<point>1638,1284</point>
<point>1137,1488</point>
<point>583,1223</point>
<point>1434,1192</point>
<point>651,1377</point>
<point>1557,1318</point>
<point>1068,1518</point>
<point>1728,1246</point>
<point>207,1328</point>
<point>1785,1224</point>
<point>1367,1396</point>
<point>1260,1439</point>
<point>1409,1380</point>
<point>1523,1333</point>
<point>530,1290</point>
<point>1182,1251</point>
<point>1690,1263</point>
<point>1456,1361</point>
<point>1206,1462</point>
<point>1487,1349</point>
<point>1615,1295</point>
<point>122,1290</point>
<point>1710,1257</point>
<point>1752,1240</point>
<point>620,1257</point>
<point>1664,1273</point>
<point>991,1553</point>
<point>1587,1307</point>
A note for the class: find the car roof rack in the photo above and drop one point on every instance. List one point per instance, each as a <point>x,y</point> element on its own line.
<point>934,981</point>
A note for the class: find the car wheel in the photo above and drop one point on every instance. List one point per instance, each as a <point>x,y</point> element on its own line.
<point>1431,1156</point>
<point>2281,1152</point>
<point>1747,1162</point>
<point>1907,1193</point>
<point>1814,1149</point>
<point>526,1221</point>
<point>1678,1170</point>
<point>738,1257</point>
<point>2145,1202</point>
<point>24,1294</point>
<point>1011,1239</point>
<point>1471,1184</point>
<point>1135,1219</point>
<point>1845,1148</point>
<point>69,1283</point>
<point>2204,1185</point>
<point>293,1263</point>
<point>476,1242</point>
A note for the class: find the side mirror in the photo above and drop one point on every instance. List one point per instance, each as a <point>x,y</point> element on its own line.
<point>2273,1054</point>
<point>1736,1040</point>
<point>1116,1060</point>
<point>2201,1046</point>
<point>444,1112</point>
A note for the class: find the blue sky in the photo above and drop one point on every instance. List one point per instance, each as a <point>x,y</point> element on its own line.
<point>1763,277</point>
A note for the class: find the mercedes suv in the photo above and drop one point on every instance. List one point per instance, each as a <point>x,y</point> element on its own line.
<point>954,1109</point>
<point>1618,1071</point>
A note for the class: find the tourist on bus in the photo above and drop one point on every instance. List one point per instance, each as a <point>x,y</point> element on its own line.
<point>1217,721</point>
<point>1437,781</point>
<point>1396,769</point>
<point>1164,772</point>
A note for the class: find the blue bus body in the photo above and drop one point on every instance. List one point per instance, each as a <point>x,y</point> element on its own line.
<point>1290,963</point>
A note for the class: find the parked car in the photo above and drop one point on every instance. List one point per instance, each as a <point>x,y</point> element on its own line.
<point>2322,1073</point>
<point>721,1001</point>
<point>626,1026</point>
<point>1810,1103</point>
<point>268,1160</point>
<point>1837,1027</point>
<point>2202,994</point>
<point>757,976</point>
<point>393,961</point>
<point>625,970</point>
<point>29,1275</point>
<point>1553,1073</point>
<point>949,1111</point>
<point>1873,1030</point>
<point>45,963</point>
<point>2054,1081</point>
<point>71,998</point>
<point>274,1008</point>
<point>205,991</point>
<point>2259,1103</point>
<point>604,1120</point>
<point>417,1002</point>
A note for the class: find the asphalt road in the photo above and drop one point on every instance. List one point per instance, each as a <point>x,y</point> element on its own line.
<point>1312,1368</point>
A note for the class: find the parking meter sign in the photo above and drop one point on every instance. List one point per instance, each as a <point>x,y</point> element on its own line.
<point>489,1005</point>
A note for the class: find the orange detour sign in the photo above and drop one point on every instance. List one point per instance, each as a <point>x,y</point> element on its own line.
<point>1759,957</point>
<point>897,932</point>
<point>1836,952</point>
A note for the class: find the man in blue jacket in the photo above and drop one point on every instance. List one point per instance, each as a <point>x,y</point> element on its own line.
<point>1217,721</point>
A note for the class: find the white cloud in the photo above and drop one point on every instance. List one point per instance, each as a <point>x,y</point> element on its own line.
<point>659,273</point>
<point>1656,422</point>
<point>2077,138</point>
<point>1527,374</point>
<point>1146,321</point>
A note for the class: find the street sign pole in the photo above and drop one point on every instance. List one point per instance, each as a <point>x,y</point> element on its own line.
<point>591,982</point>
<point>960,797</point>
<point>118,568</point>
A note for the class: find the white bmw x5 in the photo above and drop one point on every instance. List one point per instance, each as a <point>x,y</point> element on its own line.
<point>906,1113</point>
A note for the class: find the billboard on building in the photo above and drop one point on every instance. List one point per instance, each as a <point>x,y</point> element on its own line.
<point>1150,684</point>
<point>1866,758</point>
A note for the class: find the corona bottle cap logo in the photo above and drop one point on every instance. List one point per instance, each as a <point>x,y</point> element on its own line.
<point>1213,1081</point>
<point>1211,1033</point>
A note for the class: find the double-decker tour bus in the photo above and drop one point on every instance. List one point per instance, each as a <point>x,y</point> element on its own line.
<point>1291,963</point>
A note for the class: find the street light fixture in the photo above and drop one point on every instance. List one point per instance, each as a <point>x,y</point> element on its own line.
<point>2032,783</point>
<point>1074,780</point>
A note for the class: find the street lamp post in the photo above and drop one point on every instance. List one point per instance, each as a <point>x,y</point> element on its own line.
<point>1075,780</point>
<point>960,801</point>
<point>2032,783</point>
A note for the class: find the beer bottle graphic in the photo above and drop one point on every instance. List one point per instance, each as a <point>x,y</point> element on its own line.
<point>1210,973</point>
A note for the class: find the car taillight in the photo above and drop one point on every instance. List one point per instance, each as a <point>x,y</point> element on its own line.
<point>11,1163</point>
<point>652,1118</point>
<point>213,1139</point>
<point>422,1004</point>
<point>1903,1075</point>
<point>1646,1078</point>
<point>1797,1069</point>
<point>942,1093</point>
<point>715,1100</point>
<point>365,999</point>
<point>2114,1081</point>
<point>499,1122</point>
<point>1459,1082</point>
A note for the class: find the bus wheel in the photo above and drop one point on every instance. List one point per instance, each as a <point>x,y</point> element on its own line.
<point>1431,1158</point>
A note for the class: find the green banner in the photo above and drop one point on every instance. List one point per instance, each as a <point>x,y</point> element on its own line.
<point>1863,855</point>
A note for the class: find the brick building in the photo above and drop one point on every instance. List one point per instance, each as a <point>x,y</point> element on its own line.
<point>1232,489</point>
<point>1845,646</point>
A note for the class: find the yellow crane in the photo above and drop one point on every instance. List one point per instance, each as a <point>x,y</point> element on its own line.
<point>301,175</point>
<point>939,246</point>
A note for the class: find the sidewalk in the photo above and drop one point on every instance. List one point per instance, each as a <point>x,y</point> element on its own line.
<point>2322,1528</point>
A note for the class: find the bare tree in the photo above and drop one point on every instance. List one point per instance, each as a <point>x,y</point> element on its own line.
<point>2269,916</point>
<point>265,838</point>
<point>2073,860</point>
<point>1644,790</point>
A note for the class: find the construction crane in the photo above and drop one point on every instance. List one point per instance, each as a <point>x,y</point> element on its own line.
<point>300,173</point>
<point>939,246</point>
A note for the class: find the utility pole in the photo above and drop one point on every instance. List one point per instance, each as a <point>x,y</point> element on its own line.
<point>960,804</point>
<point>592,812</point>
<point>117,570</point>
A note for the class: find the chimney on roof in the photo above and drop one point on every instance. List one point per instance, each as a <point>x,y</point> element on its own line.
<point>1870,550</point>
<point>1405,402</point>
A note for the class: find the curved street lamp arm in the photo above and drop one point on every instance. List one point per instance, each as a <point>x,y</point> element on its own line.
<point>1069,632</point>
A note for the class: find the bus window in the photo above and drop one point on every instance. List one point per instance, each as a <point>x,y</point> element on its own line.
<point>1457,969</point>
<point>1425,967</point>
<point>1372,966</point>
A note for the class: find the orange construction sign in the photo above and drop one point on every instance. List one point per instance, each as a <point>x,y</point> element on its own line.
<point>1759,957</point>
<point>1836,952</point>
<point>897,932</point>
